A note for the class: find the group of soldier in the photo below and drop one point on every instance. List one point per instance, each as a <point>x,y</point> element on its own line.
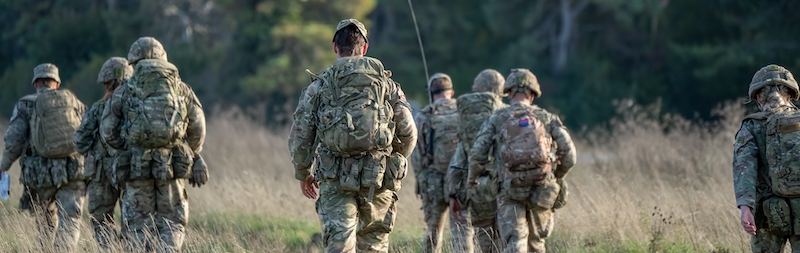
<point>498,168</point>
<point>137,145</point>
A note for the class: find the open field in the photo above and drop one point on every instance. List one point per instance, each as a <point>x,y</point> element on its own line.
<point>644,184</point>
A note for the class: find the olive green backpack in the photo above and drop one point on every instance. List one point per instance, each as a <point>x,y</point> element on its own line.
<point>55,118</point>
<point>158,112</point>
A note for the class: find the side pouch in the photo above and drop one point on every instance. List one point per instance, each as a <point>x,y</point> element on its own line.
<point>182,161</point>
<point>778,216</point>
<point>90,167</point>
<point>122,167</point>
<point>326,167</point>
<point>75,168</point>
<point>373,171</point>
<point>28,177</point>
<point>396,170</point>
<point>794,205</point>
<point>435,192</point>
<point>523,193</point>
<point>161,167</point>
<point>350,175</point>
<point>545,195</point>
<point>58,171</point>
<point>483,199</point>
<point>561,200</point>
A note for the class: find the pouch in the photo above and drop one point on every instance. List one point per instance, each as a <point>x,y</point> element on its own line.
<point>161,167</point>
<point>778,215</point>
<point>483,199</point>
<point>523,193</point>
<point>396,170</point>
<point>58,171</point>
<point>75,168</point>
<point>545,195</point>
<point>561,200</point>
<point>350,175</point>
<point>90,167</point>
<point>373,170</point>
<point>435,192</point>
<point>121,167</point>
<point>326,167</point>
<point>182,161</point>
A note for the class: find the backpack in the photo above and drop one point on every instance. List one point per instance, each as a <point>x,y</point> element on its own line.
<point>55,118</point>
<point>525,148</point>
<point>473,110</point>
<point>783,153</point>
<point>444,130</point>
<point>354,115</point>
<point>158,111</point>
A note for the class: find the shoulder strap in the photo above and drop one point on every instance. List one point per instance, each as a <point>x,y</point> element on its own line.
<point>757,116</point>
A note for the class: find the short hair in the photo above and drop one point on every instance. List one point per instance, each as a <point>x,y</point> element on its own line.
<point>348,39</point>
<point>440,85</point>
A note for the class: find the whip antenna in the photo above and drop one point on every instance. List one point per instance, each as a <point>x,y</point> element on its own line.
<point>419,39</point>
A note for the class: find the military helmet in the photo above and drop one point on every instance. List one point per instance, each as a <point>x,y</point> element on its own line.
<point>115,68</point>
<point>45,70</point>
<point>146,48</point>
<point>437,88</point>
<point>773,75</point>
<point>489,80</point>
<point>522,78</point>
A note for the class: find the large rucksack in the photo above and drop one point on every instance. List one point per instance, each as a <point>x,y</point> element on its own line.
<point>783,153</point>
<point>158,110</point>
<point>525,148</point>
<point>444,130</point>
<point>354,115</point>
<point>55,118</point>
<point>473,109</point>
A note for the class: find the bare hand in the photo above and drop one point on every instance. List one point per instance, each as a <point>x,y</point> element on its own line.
<point>474,183</point>
<point>748,222</point>
<point>309,187</point>
<point>456,211</point>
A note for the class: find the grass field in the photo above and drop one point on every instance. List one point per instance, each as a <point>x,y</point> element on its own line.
<point>644,183</point>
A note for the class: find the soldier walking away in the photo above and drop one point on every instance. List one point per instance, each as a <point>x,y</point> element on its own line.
<point>526,142</point>
<point>766,169</point>
<point>437,139</point>
<point>159,123</point>
<point>41,130</point>
<point>354,123</point>
<point>475,208</point>
<point>102,188</point>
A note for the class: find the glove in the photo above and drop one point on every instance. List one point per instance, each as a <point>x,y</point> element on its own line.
<point>199,172</point>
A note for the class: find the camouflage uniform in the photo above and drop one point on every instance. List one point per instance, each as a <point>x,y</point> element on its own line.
<point>485,232</point>
<point>523,226</point>
<point>153,201</point>
<point>430,182</point>
<point>99,157</point>
<point>751,178</point>
<point>55,186</point>
<point>350,221</point>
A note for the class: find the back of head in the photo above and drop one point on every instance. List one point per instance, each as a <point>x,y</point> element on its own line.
<point>46,70</point>
<point>522,80</point>
<point>489,80</point>
<point>115,69</point>
<point>773,75</point>
<point>350,36</point>
<point>146,48</point>
<point>439,83</point>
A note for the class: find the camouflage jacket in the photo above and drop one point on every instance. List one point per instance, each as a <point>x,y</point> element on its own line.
<point>18,136</point>
<point>114,119</point>
<point>87,140</point>
<point>303,136</point>
<point>489,138</point>
<point>750,169</point>
<point>420,157</point>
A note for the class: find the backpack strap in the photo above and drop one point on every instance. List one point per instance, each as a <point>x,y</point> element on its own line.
<point>29,98</point>
<point>757,116</point>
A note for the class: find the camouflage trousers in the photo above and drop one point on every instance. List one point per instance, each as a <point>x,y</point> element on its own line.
<point>155,213</point>
<point>435,206</point>
<point>103,199</point>
<point>523,226</point>
<point>350,223</point>
<point>765,242</point>
<point>463,233</point>
<point>487,236</point>
<point>59,213</point>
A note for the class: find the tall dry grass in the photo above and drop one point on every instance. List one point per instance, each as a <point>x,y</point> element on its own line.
<point>645,180</point>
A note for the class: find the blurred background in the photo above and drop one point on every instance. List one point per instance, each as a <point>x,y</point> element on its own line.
<point>687,55</point>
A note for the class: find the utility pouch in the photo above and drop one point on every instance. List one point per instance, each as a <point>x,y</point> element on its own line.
<point>182,161</point>
<point>518,193</point>
<point>327,168</point>
<point>350,174</point>
<point>545,195</point>
<point>435,192</point>
<point>483,199</point>
<point>90,166</point>
<point>561,201</point>
<point>161,167</point>
<point>778,215</point>
<point>121,167</point>
<point>396,170</point>
<point>58,171</point>
<point>373,170</point>
<point>75,168</point>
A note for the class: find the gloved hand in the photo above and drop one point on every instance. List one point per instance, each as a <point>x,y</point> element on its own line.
<point>199,172</point>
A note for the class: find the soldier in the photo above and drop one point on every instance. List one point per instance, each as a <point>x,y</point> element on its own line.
<point>360,124</point>
<point>764,172</point>
<point>476,209</point>
<point>526,142</point>
<point>159,122</point>
<point>99,157</point>
<point>436,142</point>
<point>41,128</point>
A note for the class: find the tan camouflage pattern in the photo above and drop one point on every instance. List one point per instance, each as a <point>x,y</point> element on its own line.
<point>349,222</point>
<point>103,194</point>
<point>522,78</point>
<point>489,80</point>
<point>59,210</point>
<point>46,70</point>
<point>115,68</point>
<point>765,242</point>
<point>360,26</point>
<point>444,86</point>
<point>146,48</point>
<point>154,197</point>
<point>773,75</point>
<point>523,225</point>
